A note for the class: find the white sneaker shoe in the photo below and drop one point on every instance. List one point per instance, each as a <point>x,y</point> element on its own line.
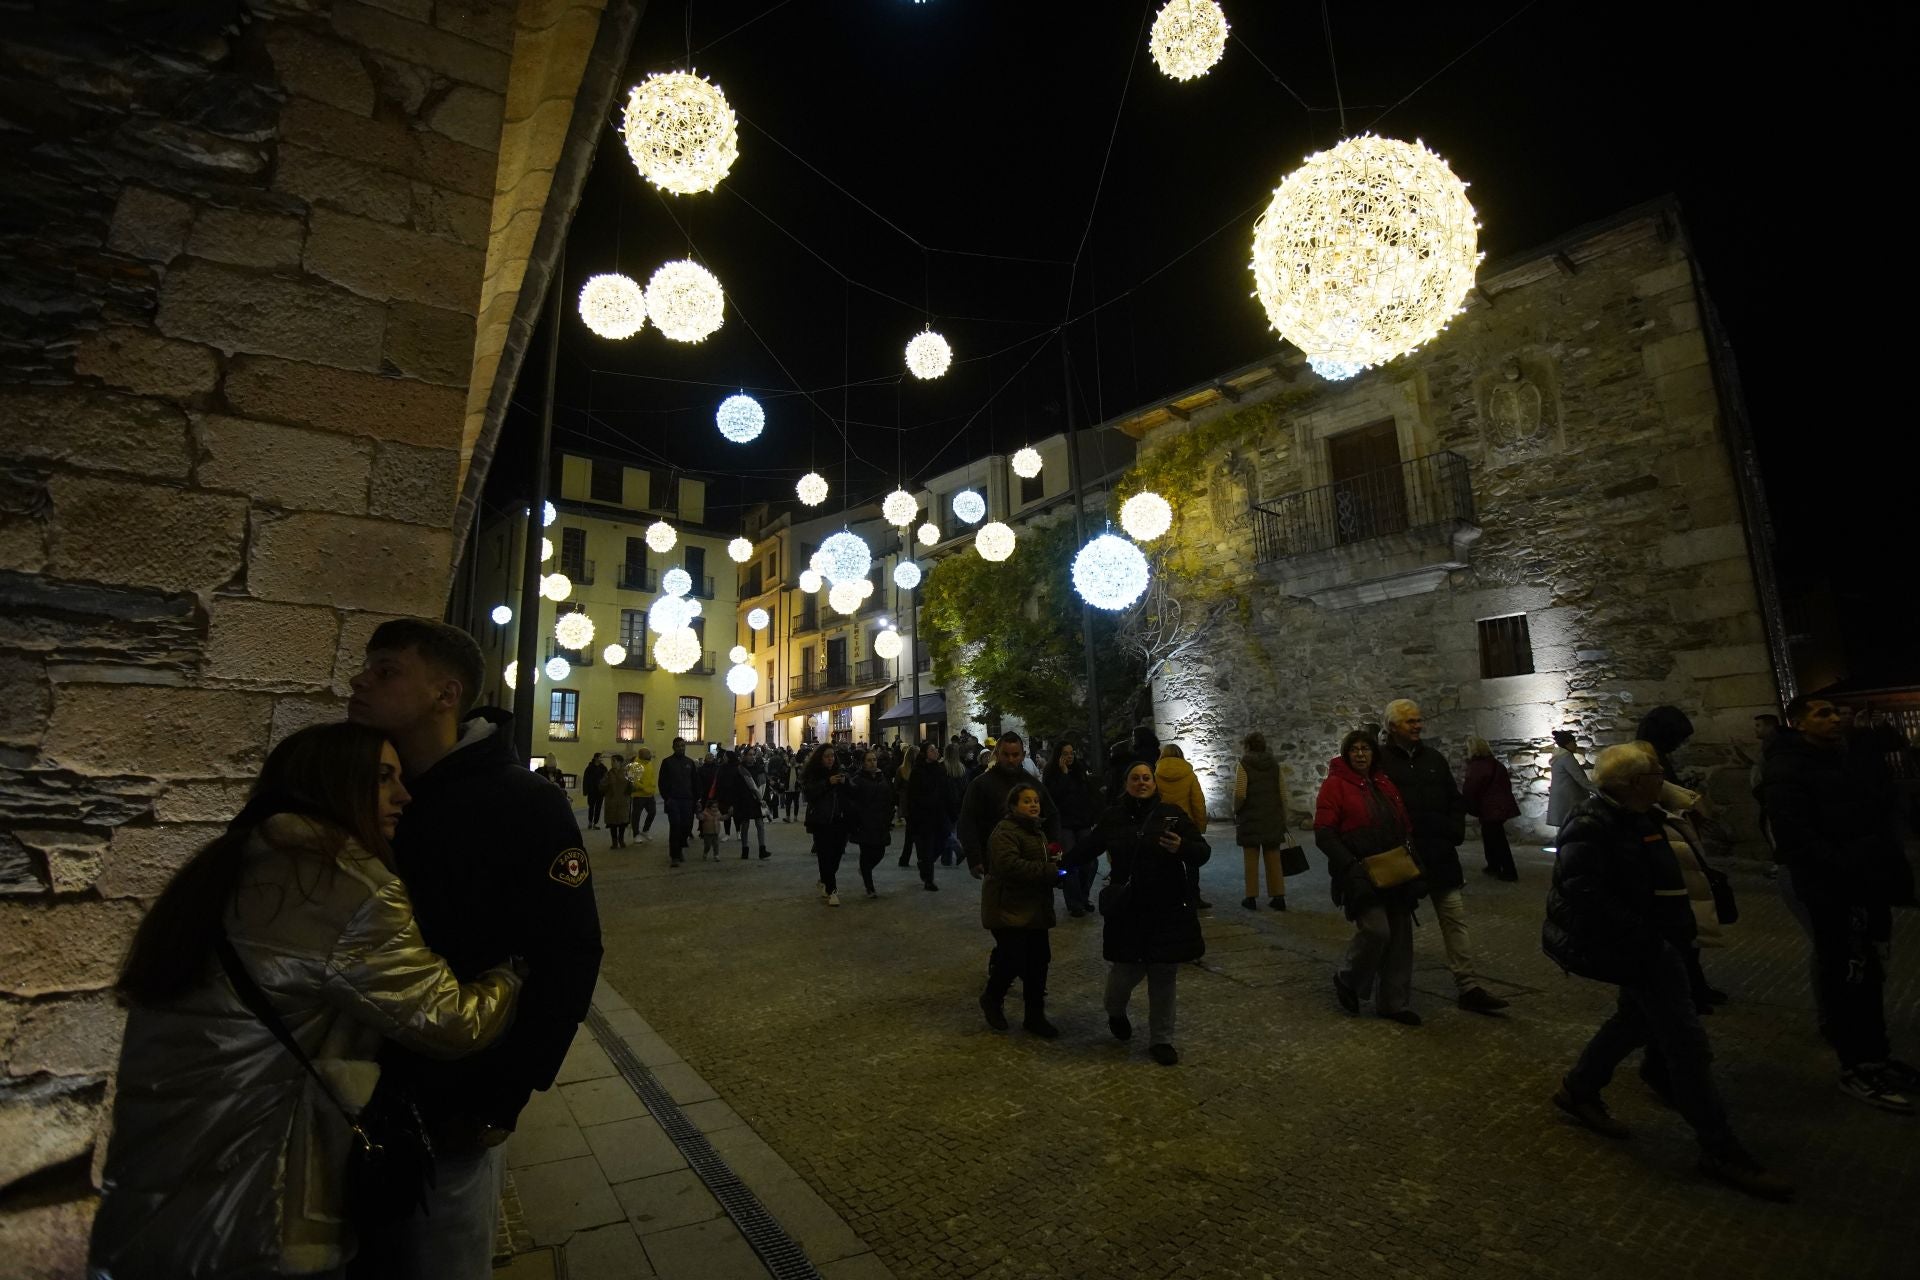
<point>833,899</point>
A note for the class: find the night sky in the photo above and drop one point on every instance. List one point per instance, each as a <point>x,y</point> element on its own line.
<point>969,129</point>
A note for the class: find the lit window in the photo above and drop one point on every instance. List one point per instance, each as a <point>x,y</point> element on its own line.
<point>690,719</point>
<point>563,715</point>
<point>628,717</point>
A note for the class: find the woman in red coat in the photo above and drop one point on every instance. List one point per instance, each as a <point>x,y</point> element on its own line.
<point>1358,814</point>
<point>1489,796</point>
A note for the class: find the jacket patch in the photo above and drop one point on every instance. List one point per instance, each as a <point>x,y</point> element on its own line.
<point>570,868</point>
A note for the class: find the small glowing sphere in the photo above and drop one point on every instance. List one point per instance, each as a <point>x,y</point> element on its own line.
<point>556,586</point>
<point>994,541</point>
<point>676,581</point>
<point>677,651</point>
<point>681,132</point>
<point>928,534</point>
<point>899,508</point>
<point>847,557</point>
<point>558,668</point>
<point>741,419</point>
<point>1145,516</point>
<point>865,587</point>
<point>811,581</point>
<point>612,306</point>
<point>511,675</point>
<point>686,301</point>
<point>758,619</point>
<point>742,680</point>
<point>969,506</point>
<point>812,489</point>
<point>819,563</point>
<point>1026,463</point>
<point>928,355</point>
<point>573,631</point>
<point>614,654</point>
<point>1109,572</point>
<point>845,597</point>
<point>548,514</point>
<point>546,550</point>
<point>1188,38</point>
<point>661,537</point>
<point>694,608</point>
<point>1334,370</point>
<point>739,551</point>
<point>668,614</point>
<point>906,575</point>
<point>502,615</point>
<point>738,654</point>
<point>887,645</point>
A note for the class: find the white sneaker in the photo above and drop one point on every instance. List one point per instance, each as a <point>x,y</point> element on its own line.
<point>833,899</point>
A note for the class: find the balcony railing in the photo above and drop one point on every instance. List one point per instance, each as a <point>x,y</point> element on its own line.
<point>703,587</point>
<point>807,621</point>
<point>1426,493</point>
<point>579,572</point>
<point>639,656</point>
<point>637,577</point>
<point>843,676</point>
<point>574,657</point>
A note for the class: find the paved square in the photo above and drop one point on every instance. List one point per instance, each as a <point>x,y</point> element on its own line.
<point>1291,1140</point>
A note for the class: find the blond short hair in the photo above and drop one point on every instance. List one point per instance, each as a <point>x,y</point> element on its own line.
<point>1478,746</point>
<point>1399,710</point>
<point>1618,765</point>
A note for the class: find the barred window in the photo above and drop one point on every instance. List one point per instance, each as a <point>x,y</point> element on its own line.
<point>690,719</point>
<point>1505,647</point>
<point>629,707</point>
<point>563,716</point>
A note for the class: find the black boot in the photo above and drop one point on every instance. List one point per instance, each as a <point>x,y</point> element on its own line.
<point>1035,1023</point>
<point>990,1005</point>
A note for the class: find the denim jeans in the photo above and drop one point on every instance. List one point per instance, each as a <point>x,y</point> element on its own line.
<point>1161,982</point>
<point>759,825</point>
<point>1379,960</point>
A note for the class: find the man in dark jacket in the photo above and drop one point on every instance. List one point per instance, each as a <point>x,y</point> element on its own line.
<point>1439,817</point>
<point>986,802</point>
<point>1831,808</point>
<point>676,792</point>
<point>1618,913</point>
<point>593,781</point>
<point>492,859</point>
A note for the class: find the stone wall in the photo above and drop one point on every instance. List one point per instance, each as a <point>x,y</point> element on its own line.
<point>241,254</point>
<point>1579,391</point>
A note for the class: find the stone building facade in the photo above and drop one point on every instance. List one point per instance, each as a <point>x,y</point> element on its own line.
<point>1542,520</point>
<point>266,269</point>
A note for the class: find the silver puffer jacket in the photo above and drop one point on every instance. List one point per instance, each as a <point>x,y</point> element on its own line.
<point>225,1157</point>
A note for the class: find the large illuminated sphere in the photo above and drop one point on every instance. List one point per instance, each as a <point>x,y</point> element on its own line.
<point>928,533</point>
<point>1026,463</point>
<point>928,355</point>
<point>668,614</point>
<point>686,301</point>
<point>906,575</point>
<point>1334,370</point>
<point>676,581</point>
<point>612,306</point>
<point>845,597</point>
<point>758,619</point>
<point>994,541</point>
<point>511,674</point>
<point>548,514</point>
<point>661,537</point>
<point>739,551</point>
<point>614,654</point>
<point>738,654</point>
<point>899,508</point>
<point>811,581</point>
<point>680,132</point>
<point>812,488</point>
<point>1109,572</point>
<point>740,418</point>
<point>1366,251</point>
<point>573,631</point>
<point>887,645</point>
<point>1188,37</point>
<point>1145,516</point>
<point>969,506</point>
<point>501,615</point>
<point>847,558</point>
<point>556,586</point>
<point>546,550</point>
<point>677,651</point>
<point>742,680</point>
<point>558,668</point>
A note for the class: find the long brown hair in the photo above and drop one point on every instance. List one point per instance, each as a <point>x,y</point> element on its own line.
<point>330,773</point>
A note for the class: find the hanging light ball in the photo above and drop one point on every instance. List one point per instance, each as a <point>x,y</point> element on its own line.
<point>661,537</point>
<point>614,654</point>
<point>1188,38</point>
<point>1026,463</point>
<point>969,506</point>
<point>738,654</point>
<point>668,614</point>
<point>546,550</point>
<point>742,679</point>
<point>865,587</point>
<point>739,551</point>
<point>556,587</point>
<point>1145,516</point>
<point>613,306</point>
<point>511,675</point>
<point>928,355</point>
<point>677,651</point>
<point>680,132</point>
<point>887,645</point>
<point>758,619</point>
<point>686,301</point>
<point>1366,251</point>
<point>811,581</point>
<point>548,514</point>
<point>1334,370</point>
<point>845,597</point>
<point>906,575</point>
<point>899,508</point>
<point>846,557</point>
<point>676,581</point>
<point>740,418</point>
<point>1109,572</point>
<point>929,534</point>
<point>812,488</point>
<point>994,541</point>
<point>818,562</point>
<point>558,668</point>
<point>573,631</point>
<point>694,608</point>
<point>501,615</point>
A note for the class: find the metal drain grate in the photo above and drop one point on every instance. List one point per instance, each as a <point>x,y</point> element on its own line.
<point>784,1259</point>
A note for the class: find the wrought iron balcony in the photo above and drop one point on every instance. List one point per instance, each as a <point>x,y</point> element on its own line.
<point>637,577</point>
<point>702,587</point>
<point>639,656</point>
<point>809,620</point>
<point>579,572</point>
<point>574,657</point>
<point>867,671</point>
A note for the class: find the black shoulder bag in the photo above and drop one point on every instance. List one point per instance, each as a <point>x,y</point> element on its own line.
<point>391,1165</point>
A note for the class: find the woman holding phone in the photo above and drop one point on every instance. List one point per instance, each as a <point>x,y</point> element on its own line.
<point>1357,815</point>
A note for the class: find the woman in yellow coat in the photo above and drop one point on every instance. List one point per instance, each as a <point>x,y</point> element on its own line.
<point>1179,788</point>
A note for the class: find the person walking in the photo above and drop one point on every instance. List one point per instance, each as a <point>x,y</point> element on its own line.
<point>747,799</point>
<point>1070,787</point>
<point>1016,906</point>
<point>985,804</point>
<point>676,783</point>
<point>618,796</point>
<point>824,781</point>
<point>1617,913</point>
<point>1488,793</point>
<point>958,780</point>
<point>1439,816</point>
<point>643,787</point>
<point>1568,783</point>
<point>1260,821</point>
<point>1180,788</point>
<point>1359,814</point>
<point>226,1158</point>
<point>929,811</point>
<point>593,781</point>
<point>871,816</point>
<point>1152,922</point>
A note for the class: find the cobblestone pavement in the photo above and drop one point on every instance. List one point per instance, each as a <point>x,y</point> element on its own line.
<point>1292,1140</point>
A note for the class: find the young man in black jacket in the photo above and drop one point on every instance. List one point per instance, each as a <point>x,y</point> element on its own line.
<point>676,792</point>
<point>985,803</point>
<point>493,860</point>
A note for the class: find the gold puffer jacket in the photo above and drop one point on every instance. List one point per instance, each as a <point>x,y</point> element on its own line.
<point>225,1157</point>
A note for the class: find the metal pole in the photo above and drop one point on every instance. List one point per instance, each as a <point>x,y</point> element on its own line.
<point>527,659</point>
<point>913,641</point>
<point>1096,749</point>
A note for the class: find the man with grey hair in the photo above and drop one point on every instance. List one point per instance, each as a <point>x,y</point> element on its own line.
<point>1438,813</point>
<point>1618,913</point>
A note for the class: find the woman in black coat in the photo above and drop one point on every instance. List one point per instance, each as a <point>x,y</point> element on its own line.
<point>829,812</point>
<point>930,810</point>
<point>1152,922</point>
<point>871,817</point>
<point>1078,805</point>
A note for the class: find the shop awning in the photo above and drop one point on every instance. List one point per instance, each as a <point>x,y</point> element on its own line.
<point>832,701</point>
<point>930,706</point>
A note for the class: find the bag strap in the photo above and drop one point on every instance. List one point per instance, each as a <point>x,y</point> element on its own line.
<point>257,1003</point>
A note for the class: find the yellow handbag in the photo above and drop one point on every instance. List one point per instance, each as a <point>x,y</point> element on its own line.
<point>1395,866</point>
